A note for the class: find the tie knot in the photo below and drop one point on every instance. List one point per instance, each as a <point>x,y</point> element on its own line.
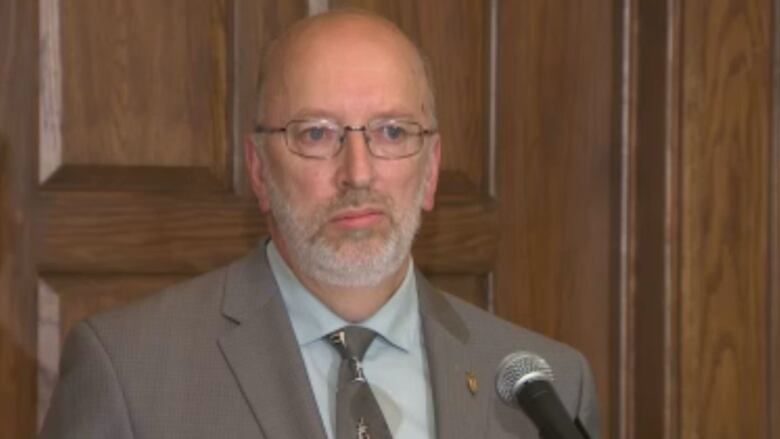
<point>352,341</point>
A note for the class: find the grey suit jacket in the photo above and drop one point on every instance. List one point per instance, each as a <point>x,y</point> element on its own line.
<point>216,357</point>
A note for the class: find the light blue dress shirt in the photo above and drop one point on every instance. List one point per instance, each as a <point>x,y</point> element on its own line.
<point>395,364</point>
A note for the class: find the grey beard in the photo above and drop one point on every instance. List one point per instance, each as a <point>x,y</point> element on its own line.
<point>363,263</point>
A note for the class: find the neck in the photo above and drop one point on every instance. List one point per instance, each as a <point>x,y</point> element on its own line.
<point>352,303</point>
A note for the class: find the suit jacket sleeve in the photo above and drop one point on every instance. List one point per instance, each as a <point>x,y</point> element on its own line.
<point>88,402</point>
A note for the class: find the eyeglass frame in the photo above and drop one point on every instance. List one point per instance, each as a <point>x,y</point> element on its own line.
<point>344,130</point>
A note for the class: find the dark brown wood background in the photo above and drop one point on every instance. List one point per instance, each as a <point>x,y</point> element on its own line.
<point>610,178</point>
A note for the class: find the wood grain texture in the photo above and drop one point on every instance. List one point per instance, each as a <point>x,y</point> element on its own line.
<point>455,36</point>
<point>86,232</point>
<point>135,178</point>
<point>255,24</point>
<point>554,169</point>
<point>50,90</point>
<point>724,276</point>
<point>774,231</point>
<point>18,139</point>
<point>145,84</point>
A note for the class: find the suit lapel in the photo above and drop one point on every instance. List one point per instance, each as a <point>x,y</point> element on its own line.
<point>458,412</point>
<point>263,354</point>
<point>265,359</point>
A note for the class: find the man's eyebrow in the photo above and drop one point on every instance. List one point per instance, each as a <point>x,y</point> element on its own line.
<point>320,113</point>
<point>395,115</point>
<point>314,113</point>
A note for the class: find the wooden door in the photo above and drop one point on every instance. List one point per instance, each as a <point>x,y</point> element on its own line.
<point>702,146</point>
<point>124,123</point>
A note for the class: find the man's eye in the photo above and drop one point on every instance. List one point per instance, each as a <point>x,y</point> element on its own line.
<point>393,132</point>
<point>314,134</point>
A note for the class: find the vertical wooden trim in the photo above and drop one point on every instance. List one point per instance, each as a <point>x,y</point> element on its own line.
<point>234,111</point>
<point>220,64</point>
<point>490,172</point>
<point>491,104</point>
<point>623,423</point>
<point>773,292</point>
<point>19,81</point>
<point>673,209</point>
<point>50,122</point>
<point>50,159</point>
<point>649,219</point>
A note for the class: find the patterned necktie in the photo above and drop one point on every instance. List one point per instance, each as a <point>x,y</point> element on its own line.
<point>358,415</point>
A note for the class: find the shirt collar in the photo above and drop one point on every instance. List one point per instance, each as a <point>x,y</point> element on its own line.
<point>397,321</point>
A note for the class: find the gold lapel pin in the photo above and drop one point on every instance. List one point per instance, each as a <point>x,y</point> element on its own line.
<point>471,382</point>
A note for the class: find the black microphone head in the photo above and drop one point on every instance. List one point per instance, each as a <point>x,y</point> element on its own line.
<point>518,369</point>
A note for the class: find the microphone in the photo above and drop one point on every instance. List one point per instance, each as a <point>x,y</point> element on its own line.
<point>524,380</point>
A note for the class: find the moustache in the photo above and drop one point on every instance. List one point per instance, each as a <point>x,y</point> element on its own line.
<point>357,198</point>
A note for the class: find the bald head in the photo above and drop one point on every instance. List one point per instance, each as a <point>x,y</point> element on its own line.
<point>334,48</point>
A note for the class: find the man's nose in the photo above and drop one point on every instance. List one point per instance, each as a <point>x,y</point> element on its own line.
<point>357,163</point>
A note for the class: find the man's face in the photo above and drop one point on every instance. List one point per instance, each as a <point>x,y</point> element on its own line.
<point>350,219</point>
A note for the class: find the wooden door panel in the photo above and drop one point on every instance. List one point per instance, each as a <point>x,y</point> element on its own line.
<point>144,88</point>
<point>144,82</point>
<point>19,67</point>
<point>556,178</point>
<point>724,188</point>
<point>169,232</point>
<point>145,232</point>
<point>144,104</point>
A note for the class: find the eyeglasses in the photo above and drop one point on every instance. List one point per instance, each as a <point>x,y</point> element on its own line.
<point>322,138</point>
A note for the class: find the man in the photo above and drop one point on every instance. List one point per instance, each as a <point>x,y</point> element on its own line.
<point>344,158</point>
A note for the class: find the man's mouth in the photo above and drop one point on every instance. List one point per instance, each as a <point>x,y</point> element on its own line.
<point>357,218</point>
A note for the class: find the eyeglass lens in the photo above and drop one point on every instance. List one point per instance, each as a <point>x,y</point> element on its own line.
<point>385,138</point>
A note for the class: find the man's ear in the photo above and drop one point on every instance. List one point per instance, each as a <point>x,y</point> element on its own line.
<point>432,175</point>
<point>254,169</point>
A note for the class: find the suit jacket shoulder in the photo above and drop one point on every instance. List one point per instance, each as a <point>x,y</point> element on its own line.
<point>475,342</point>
